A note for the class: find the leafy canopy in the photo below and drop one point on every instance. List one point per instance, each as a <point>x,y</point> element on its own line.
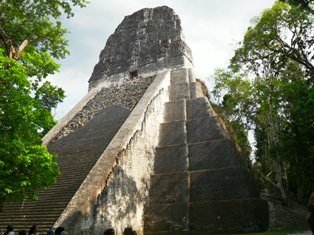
<point>268,88</point>
<point>31,39</point>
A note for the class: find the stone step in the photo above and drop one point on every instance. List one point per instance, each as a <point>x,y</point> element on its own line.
<point>42,200</point>
<point>40,206</point>
<point>171,159</point>
<point>198,108</point>
<point>84,146</point>
<point>68,145</point>
<point>34,210</point>
<point>195,90</point>
<point>214,154</point>
<point>34,217</point>
<point>27,221</point>
<point>209,217</point>
<point>20,205</point>
<point>166,218</point>
<point>169,188</point>
<point>172,133</point>
<point>175,111</point>
<point>54,193</point>
<point>62,188</point>
<point>92,132</point>
<point>39,217</point>
<point>222,184</point>
<point>179,76</point>
<point>7,210</point>
<point>205,129</point>
<point>229,216</point>
<point>179,91</point>
<point>41,229</point>
<point>191,76</point>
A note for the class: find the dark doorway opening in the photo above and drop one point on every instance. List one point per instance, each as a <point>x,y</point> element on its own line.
<point>133,74</point>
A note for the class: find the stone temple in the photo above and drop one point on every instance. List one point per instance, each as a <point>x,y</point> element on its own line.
<point>144,149</point>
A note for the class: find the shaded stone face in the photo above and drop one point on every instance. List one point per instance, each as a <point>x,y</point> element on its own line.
<point>146,41</point>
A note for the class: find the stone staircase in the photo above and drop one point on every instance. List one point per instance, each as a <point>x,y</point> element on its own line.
<point>77,154</point>
<point>200,183</point>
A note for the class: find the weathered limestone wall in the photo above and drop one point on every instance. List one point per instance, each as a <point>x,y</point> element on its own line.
<point>147,41</point>
<point>116,189</point>
<point>147,70</point>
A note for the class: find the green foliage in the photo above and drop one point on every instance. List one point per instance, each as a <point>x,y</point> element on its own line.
<point>38,21</point>
<point>306,5</point>
<point>283,33</point>
<point>25,164</point>
<point>269,88</point>
<point>31,39</point>
<point>235,107</point>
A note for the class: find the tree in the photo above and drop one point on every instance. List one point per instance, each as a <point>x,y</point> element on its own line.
<point>283,33</point>
<point>304,4</point>
<point>31,39</point>
<point>235,107</point>
<point>276,57</point>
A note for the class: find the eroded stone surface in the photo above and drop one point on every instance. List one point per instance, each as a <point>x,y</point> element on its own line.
<point>148,40</point>
<point>125,95</point>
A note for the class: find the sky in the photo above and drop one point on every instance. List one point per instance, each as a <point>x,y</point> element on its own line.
<point>212,29</point>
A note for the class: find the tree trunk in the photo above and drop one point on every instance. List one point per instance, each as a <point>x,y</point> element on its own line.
<point>279,179</point>
<point>273,136</point>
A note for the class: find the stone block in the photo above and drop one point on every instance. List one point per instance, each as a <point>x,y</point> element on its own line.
<point>191,76</point>
<point>195,90</point>
<point>171,159</point>
<point>222,184</point>
<point>166,218</point>
<point>198,108</point>
<point>169,188</point>
<point>231,216</point>
<point>172,133</point>
<point>179,91</point>
<point>213,154</point>
<point>175,111</point>
<point>205,129</point>
<point>179,76</point>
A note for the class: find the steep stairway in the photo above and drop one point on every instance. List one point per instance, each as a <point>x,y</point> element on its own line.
<point>77,154</point>
<point>200,183</point>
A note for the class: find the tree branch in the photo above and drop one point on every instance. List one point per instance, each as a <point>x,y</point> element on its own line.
<point>5,40</point>
<point>20,50</point>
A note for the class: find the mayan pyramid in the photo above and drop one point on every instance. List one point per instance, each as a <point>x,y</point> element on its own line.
<point>144,148</point>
